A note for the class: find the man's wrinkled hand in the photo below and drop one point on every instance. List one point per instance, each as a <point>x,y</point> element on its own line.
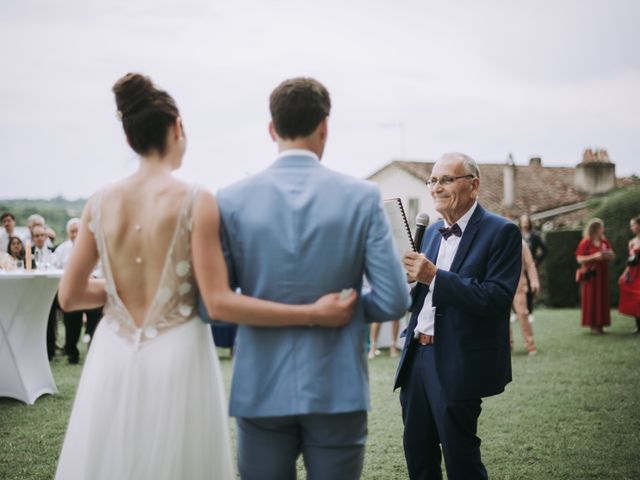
<point>418,267</point>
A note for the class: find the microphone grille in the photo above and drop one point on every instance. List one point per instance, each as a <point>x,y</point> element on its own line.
<point>422,219</point>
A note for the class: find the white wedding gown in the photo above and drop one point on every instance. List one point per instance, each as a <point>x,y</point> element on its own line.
<point>150,403</point>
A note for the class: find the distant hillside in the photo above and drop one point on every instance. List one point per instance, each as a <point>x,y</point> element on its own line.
<point>56,211</point>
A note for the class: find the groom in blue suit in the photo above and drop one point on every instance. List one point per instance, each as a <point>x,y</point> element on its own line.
<point>292,233</point>
<point>457,345</point>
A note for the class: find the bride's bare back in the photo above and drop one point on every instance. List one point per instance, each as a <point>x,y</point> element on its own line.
<point>138,218</point>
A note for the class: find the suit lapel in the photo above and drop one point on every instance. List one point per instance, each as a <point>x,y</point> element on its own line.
<point>467,238</point>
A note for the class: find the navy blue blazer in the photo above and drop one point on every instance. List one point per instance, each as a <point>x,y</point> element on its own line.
<point>473,302</point>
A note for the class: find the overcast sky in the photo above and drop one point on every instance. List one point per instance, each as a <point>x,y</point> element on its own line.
<point>408,79</point>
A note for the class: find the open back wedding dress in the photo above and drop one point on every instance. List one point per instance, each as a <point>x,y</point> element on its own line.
<point>150,403</point>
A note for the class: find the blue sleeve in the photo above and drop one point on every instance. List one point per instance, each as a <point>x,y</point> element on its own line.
<point>388,297</point>
<point>496,290</point>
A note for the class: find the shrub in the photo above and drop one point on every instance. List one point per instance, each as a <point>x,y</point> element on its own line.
<point>561,289</point>
<point>615,211</point>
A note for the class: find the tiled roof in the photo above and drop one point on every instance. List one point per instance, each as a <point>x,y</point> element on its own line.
<point>537,188</point>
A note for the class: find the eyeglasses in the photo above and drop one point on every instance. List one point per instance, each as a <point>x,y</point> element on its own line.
<point>445,180</point>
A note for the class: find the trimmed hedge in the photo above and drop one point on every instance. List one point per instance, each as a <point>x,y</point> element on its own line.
<point>560,289</point>
<point>615,211</point>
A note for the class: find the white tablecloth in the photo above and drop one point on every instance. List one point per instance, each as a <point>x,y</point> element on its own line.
<point>25,301</point>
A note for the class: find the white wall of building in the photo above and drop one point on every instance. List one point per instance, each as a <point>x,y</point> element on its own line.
<point>396,182</point>
<point>393,182</point>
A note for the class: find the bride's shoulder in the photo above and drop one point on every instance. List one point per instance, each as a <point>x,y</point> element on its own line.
<point>107,191</point>
<point>91,211</point>
<point>201,193</point>
<point>204,207</point>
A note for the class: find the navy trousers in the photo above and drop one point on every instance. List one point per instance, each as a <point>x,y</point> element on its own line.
<point>73,327</point>
<point>431,421</point>
<point>332,446</point>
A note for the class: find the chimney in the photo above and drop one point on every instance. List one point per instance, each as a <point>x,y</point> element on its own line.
<point>535,162</point>
<point>596,173</point>
<point>509,182</point>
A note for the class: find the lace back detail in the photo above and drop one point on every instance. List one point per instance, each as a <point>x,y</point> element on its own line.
<point>175,299</point>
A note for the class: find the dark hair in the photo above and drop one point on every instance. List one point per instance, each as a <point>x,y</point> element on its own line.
<point>298,106</point>
<point>7,214</point>
<point>146,113</point>
<point>11,239</point>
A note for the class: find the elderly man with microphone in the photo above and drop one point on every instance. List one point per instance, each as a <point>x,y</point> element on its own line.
<point>457,344</point>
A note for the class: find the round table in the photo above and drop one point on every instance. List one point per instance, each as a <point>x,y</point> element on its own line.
<point>25,301</point>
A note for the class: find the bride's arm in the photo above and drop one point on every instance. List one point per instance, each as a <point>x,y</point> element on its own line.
<point>221,302</point>
<point>77,290</point>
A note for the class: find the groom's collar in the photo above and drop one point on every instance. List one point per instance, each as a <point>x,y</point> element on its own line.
<point>297,156</point>
<point>297,152</point>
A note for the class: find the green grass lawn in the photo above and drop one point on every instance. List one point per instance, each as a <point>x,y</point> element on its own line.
<point>572,412</point>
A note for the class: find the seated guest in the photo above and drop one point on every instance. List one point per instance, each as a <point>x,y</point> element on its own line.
<point>15,249</point>
<point>42,253</point>
<point>34,221</point>
<point>9,223</point>
<point>63,251</point>
<point>73,320</point>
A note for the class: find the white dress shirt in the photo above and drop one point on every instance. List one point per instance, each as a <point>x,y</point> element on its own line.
<point>446,254</point>
<point>42,256</point>
<point>62,254</point>
<point>297,152</point>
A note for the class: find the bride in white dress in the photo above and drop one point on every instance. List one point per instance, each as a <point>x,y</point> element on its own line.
<point>150,403</point>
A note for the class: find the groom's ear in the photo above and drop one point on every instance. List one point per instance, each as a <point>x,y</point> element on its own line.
<point>272,132</point>
<point>177,128</point>
<point>324,128</point>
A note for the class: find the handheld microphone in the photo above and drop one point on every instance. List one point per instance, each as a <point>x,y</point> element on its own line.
<point>422,222</point>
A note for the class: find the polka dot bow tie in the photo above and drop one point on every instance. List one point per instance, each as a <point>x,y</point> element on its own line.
<point>452,230</point>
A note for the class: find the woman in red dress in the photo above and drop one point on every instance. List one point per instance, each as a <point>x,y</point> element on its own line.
<point>629,282</point>
<point>593,254</point>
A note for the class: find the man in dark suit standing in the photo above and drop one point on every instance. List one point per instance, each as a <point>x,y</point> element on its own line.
<point>43,255</point>
<point>457,344</point>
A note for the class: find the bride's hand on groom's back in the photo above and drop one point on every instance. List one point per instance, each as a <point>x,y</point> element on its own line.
<point>334,309</point>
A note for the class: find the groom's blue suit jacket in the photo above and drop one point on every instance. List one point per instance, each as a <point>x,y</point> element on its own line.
<point>291,234</point>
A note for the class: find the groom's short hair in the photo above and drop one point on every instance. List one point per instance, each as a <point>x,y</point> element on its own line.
<point>298,105</point>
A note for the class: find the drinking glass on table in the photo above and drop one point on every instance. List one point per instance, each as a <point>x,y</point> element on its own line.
<point>46,260</point>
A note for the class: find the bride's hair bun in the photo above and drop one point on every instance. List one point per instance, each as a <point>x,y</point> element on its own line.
<point>146,112</point>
